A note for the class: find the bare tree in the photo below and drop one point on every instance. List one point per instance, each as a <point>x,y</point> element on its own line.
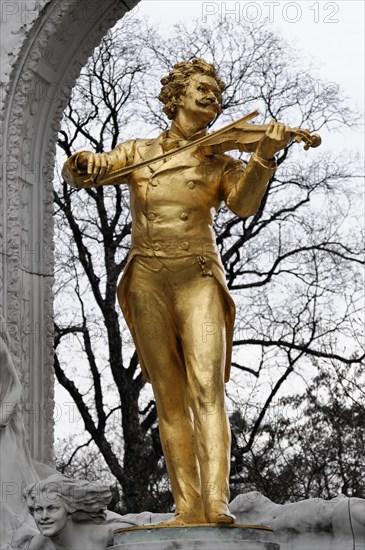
<point>310,445</point>
<point>294,268</point>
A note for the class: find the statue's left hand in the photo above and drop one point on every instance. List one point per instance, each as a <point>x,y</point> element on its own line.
<point>276,137</point>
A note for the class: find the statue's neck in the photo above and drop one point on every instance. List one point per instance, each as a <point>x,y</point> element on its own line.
<point>187,126</point>
<point>79,536</point>
<point>66,538</point>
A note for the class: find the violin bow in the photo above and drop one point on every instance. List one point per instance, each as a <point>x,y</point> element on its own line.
<point>113,177</point>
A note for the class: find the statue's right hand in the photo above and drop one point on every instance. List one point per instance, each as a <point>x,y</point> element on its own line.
<point>94,164</point>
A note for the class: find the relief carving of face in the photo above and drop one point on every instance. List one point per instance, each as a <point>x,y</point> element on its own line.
<point>50,514</point>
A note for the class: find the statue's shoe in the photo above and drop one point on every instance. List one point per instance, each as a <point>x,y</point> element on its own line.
<point>219,513</point>
<point>181,519</point>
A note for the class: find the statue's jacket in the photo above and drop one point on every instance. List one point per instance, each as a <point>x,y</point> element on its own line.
<point>173,203</point>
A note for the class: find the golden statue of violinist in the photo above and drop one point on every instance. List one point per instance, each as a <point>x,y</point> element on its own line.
<point>173,292</point>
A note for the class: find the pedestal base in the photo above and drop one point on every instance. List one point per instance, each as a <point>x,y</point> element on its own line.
<point>209,537</point>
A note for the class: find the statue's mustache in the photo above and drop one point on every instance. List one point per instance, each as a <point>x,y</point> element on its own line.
<point>207,101</point>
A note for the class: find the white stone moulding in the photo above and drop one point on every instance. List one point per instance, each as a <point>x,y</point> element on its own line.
<point>44,46</point>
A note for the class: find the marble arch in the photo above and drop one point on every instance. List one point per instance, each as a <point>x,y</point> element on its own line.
<point>44,45</point>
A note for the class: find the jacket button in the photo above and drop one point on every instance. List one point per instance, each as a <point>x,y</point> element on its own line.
<point>191,184</point>
<point>156,246</point>
<point>154,182</point>
<point>184,216</point>
<point>151,217</point>
<point>184,245</point>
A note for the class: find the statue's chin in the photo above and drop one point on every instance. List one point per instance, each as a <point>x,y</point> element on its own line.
<point>48,530</point>
<point>206,115</point>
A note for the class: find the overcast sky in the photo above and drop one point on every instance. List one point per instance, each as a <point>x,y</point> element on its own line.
<point>330,34</point>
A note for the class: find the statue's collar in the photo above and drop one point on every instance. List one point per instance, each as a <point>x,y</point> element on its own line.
<point>177,133</point>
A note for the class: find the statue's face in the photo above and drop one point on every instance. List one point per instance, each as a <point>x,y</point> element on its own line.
<point>201,98</point>
<point>49,514</point>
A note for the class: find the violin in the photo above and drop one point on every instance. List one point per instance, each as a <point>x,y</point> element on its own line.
<point>244,137</point>
<point>236,136</point>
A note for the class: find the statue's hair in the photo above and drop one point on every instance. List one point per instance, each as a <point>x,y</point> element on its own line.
<point>174,84</point>
<point>83,500</point>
